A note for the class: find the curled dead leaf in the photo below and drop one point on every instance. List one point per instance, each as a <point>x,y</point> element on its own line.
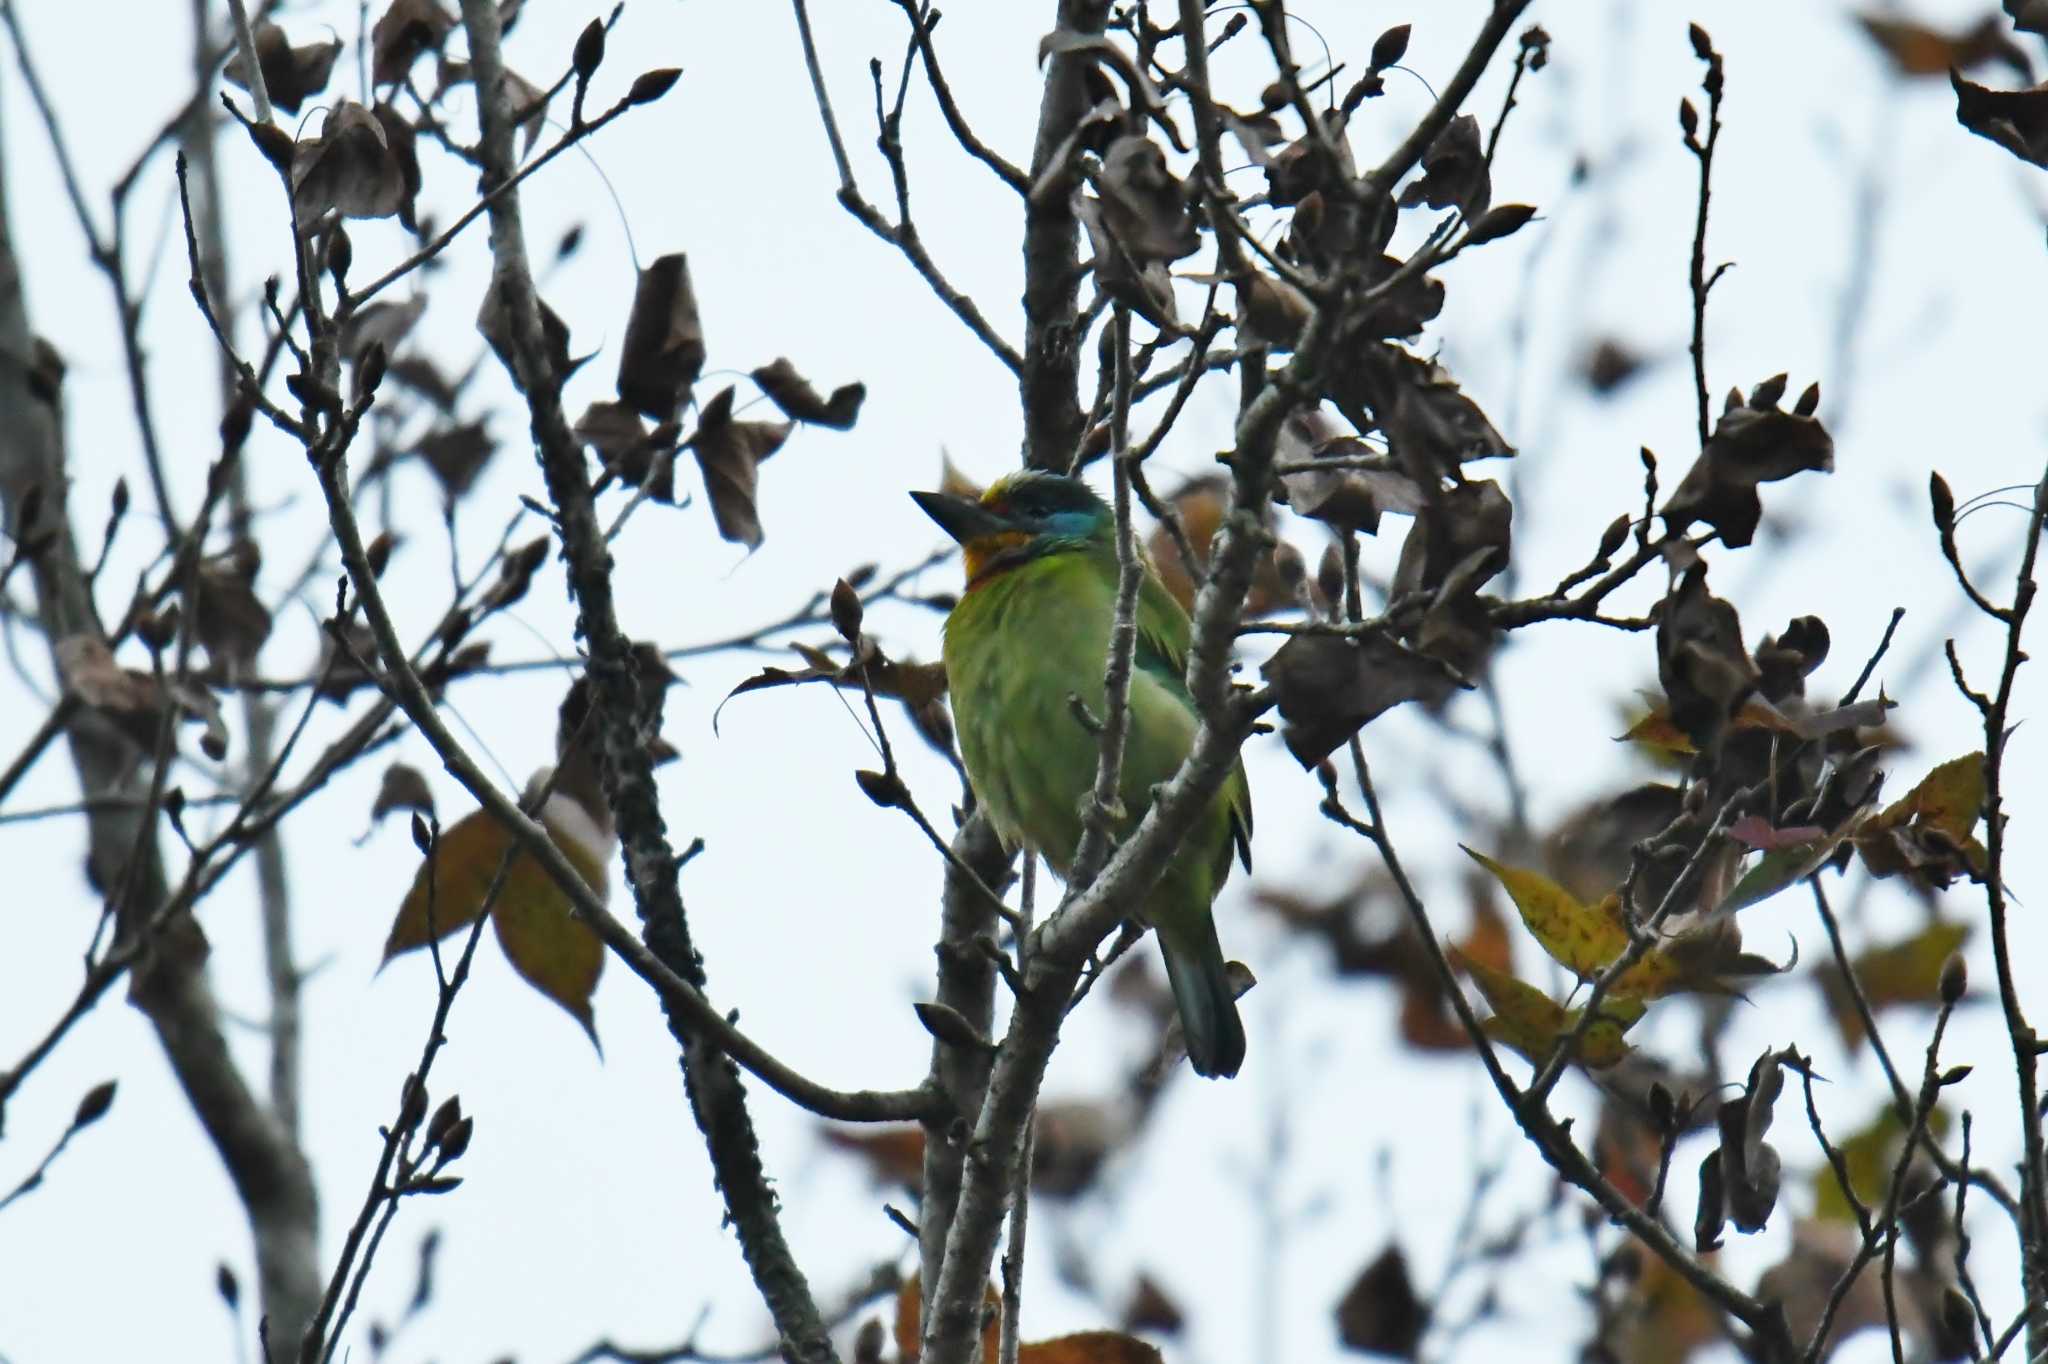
<point>290,73</point>
<point>1328,687</point>
<point>1380,1313</point>
<point>494,324</point>
<point>1754,442</point>
<point>457,454</point>
<point>663,351</point>
<point>799,402</point>
<point>728,454</point>
<point>405,32</point>
<point>349,170</point>
<point>1454,173</point>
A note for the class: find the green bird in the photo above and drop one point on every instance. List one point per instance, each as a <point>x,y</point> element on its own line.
<point>1030,633</point>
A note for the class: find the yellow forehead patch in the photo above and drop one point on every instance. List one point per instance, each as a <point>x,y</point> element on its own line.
<point>999,491</point>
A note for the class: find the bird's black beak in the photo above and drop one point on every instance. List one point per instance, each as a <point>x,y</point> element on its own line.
<point>963,518</point>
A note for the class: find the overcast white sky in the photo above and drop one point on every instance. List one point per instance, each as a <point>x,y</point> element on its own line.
<point>588,1209</point>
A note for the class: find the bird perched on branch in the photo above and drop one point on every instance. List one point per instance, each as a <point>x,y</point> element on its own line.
<point>1030,635</point>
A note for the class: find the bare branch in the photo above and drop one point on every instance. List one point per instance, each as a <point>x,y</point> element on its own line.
<point>903,234</point>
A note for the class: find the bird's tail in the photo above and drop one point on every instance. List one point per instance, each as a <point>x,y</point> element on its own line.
<point>1202,992</point>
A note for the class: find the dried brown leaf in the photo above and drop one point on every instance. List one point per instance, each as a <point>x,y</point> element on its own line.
<point>1454,173</point>
<point>350,169</point>
<point>405,32</point>
<point>663,351</point>
<point>403,787</point>
<point>793,393</point>
<point>384,324</point>
<point>457,454</point>
<point>290,74</point>
<point>1380,1312</point>
<point>1143,206</point>
<point>226,615</point>
<point>728,453</point>
<point>1327,687</point>
<point>1753,443</point>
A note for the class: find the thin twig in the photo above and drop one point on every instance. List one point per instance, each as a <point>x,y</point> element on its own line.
<point>902,235</point>
<point>1703,151</point>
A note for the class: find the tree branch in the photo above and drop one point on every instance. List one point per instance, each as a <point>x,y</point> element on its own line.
<point>711,1080</point>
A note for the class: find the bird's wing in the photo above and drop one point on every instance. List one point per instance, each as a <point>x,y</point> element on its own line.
<point>1164,636</point>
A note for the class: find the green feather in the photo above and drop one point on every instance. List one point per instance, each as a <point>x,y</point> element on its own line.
<point>1019,645</point>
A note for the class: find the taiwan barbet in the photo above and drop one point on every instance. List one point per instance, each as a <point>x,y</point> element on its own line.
<point>1031,633</point>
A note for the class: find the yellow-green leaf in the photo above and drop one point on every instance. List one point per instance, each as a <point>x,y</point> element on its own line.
<point>1950,798</point>
<point>558,955</point>
<point>1579,938</point>
<point>1531,1022</point>
<point>448,890</point>
<point>1584,939</point>
<point>1929,833</point>
<point>1658,732</point>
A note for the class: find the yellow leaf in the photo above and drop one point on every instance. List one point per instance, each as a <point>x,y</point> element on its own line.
<point>1584,939</point>
<point>1658,732</point>
<point>1578,938</point>
<point>1663,1318</point>
<point>1531,1022</point>
<point>557,954</point>
<point>1929,833</point>
<point>1950,798</point>
<point>449,887</point>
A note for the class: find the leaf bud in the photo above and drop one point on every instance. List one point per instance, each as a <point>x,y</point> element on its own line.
<point>275,144</point>
<point>1611,538</point>
<point>589,50</point>
<point>94,1105</point>
<point>445,1117</point>
<point>847,611</point>
<point>379,552</point>
<point>1663,1110</point>
<point>1288,563</point>
<point>1955,979</point>
<point>1502,220</point>
<point>652,85</point>
<point>457,1139</point>
<point>341,253</point>
<point>1944,502</point>
<point>885,789</point>
<point>412,1103</point>
<point>1390,47</point>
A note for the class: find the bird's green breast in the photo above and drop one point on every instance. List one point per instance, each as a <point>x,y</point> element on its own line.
<point>1020,646</point>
